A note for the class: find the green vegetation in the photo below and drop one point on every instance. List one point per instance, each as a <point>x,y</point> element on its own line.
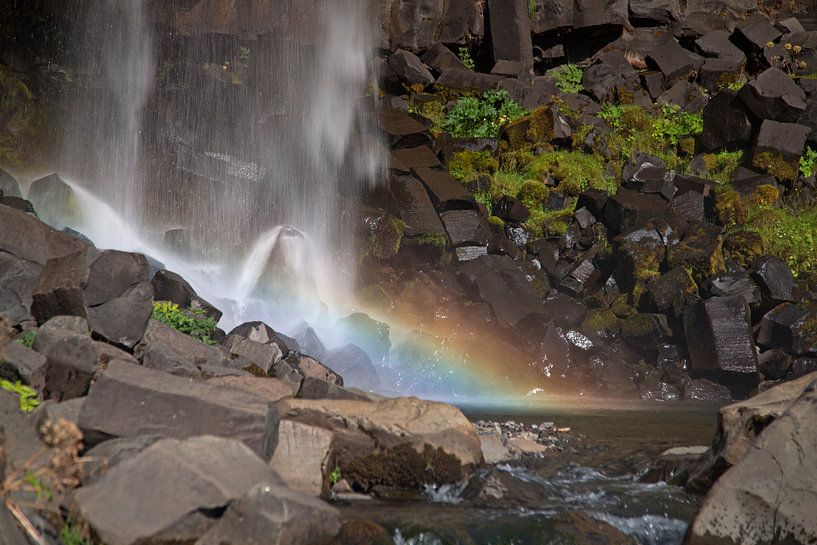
<point>465,57</point>
<point>722,166</point>
<point>789,234</point>
<point>568,78</point>
<point>485,199</point>
<point>27,395</point>
<point>472,117</point>
<point>575,171</point>
<point>335,475</point>
<point>190,321</point>
<point>532,7</point>
<point>468,166</point>
<point>673,124</point>
<point>27,339</point>
<point>72,535</point>
<point>808,162</point>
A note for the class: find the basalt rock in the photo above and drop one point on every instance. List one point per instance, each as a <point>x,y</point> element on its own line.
<point>725,123</point>
<point>354,365</point>
<point>755,32</point>
<point>717,74</point>
<point>686,96</point>
<point>131,400</point>
<point>468,79</point>
<point>639,255</point>
<point>779,147</point>
<point>775,280</point>
<point>162,348</point>
<point>669,292</point>
<point>628,209</point>
<point>72,360</point>
<point>410,68</point>
<point>511,35</point>
<point>716,43</point>
<point>774,364</point>
<point>310,344</point>
<point>440,58</point>
<point>673,61</point>
<point>262,333</point>
<point>165,492</point>
<point>701,249</point>
<point>774,95</point>
<point>446,193</point>
<point>169,286</point>
<point>20,363</point>
<point>466,227</point>
<point>719,335</point>
<point>415,207</point>
<point>790,327</point>
<point>8,185</point>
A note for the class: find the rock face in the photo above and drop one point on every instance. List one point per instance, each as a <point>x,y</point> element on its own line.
<point>314,434</point>
<point>164,492</point>
<point>719,335</point>
<point>771,494</point>
<point>130,400</point>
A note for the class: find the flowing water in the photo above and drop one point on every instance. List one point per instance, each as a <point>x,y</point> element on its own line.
<point>597,475</point>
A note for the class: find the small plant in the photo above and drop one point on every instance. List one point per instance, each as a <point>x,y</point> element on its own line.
<point>27,340</point>
<point>72,535</point>
<point>674,124</point>
<point>190,321</point>
<point>335,475</point>
<point>27,395</point>
<point>485,199</point>
<point>472,117</point>
<point>244,56</point>
<point>532,7</point>
<point>808,162</point>
<point>465,57</point>
<point>612,114</point>
<point>568,78</point>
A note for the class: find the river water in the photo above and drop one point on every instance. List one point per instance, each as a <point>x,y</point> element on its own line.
<point>549,500</point>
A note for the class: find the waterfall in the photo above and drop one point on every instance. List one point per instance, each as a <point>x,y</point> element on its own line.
<point>231,138</point>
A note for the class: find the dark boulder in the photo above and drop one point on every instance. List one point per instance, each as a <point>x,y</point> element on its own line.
<point>440,58</point>
<point>628,209</point>
<point>354,365</point>
<point>755,32</point>
<point>415,207</point>
<point>468,79</point>
<point>260,358</point>
<point>775,280</point>
<point>262,333</point>
<point>639,255</point>
<point>511,209</point>
<point>511,35</point>
<point>657,11</point>
<point>169,286</point>
<point>790,327</point>
<point>164,349</point>
<point>110,288</point>
<point>466,227</point>
<point>165,492</point>
<point>736,283</point>
<point>312,368</point>
<point>367,333</point>
<point>719,336</point>
<point>692,206</point>
<point>400,129</point>
<point>673,61</point>
<point>774,364</point>
<point>446,193</point>
<point>20,363</point>
<point>410,68</point>
<point>686,96</point>
<point>405,159</point>
<point>53,199</point>
<point>774,95</point>
<point>72,360</point>
<point>593,200</point>
<point>131,400</point>
<point>310,344</point>
<point>726,125</point>
<point>706,390</point>
<point>669,293</point>
<point>779,147</point>
<point>718,74</point>
<point>8,185</point>
<point>701,249</point>
<point>716,43</point>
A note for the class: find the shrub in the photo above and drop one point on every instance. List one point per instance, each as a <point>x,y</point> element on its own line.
<point>27,395</point>
<point>473,117</point>
<point>808,162</point>
<point>190,321</point>
<point>568,78</point>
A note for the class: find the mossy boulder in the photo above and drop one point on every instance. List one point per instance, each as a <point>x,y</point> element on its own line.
<point>743,247</point>
<point>468,166</point>
<point>700,251</point>
<point>779,147</point>
<point>639,256</point>
<point>668,294</point>
<point>529,131</point>
<point>382,235</point>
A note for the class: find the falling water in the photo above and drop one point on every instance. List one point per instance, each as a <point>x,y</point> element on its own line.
<point>249,144</point>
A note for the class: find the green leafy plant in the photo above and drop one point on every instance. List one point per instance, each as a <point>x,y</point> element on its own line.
<point>532,7</point>
<point>673,124</point>
<point>335,475</point>
<point>465,57</point>
<point>190,321</point>
<point>473,117</point>
<point>27,340</point>
<point>40,488</point>
<point>568,78</point>
<point>72,535</point>
<point>27,395</point>
<point>612,114</point>
<point>808,162</point>
<point>484,198</point>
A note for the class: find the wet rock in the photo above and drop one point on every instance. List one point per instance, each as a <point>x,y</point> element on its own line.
<point>774,95</point>
<point>20,363</point>
<point>692,206</point>
<point>309,367</point>
<point>354,365</point>
<point>770,492</point>
<point>8,185</point>
<point>446,193</point>
<point>511,34</point>
<point>131,400</point>
<point>774,364</point>
<point>701,249</point>
<point>277,513</point>
<point>669,292</point>
<point>164,492</point>
<point>789,327</point>
<point>628,209</point>
<point>706,390</point>
<point>686,95</point>
<point>717,74</point>
<point>415,207</point>
<point>594,201</point>
<point>734,284</point>
<point>673,465</point>
<point>110,288</point>
<point>658,11</point>
<point>400,129</point>
<point>406,159</point>
<point>310,344</point>
<point>169,286</point>
<point>362,532</point>
<point>53,199</point>
<point>312,434</point>
<point>466,227</point>
<point>686,182</point>
<point>639,254</point>
<point>511,209</point>
<point>410,68</point>
<point>673,61</point>
<point>162,348</point>
<point>716,43</point>
<point>779,147</point>
<point>368,333</point>
<point>499,282</point>
<point>719,336</point>
<point>468,79</point>
<point>775,280</point>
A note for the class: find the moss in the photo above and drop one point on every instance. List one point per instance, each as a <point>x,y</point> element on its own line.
<point>549,223</point>
<point>637,325</point>
<point>722,166</point>
<point>468,166</point>
<point>774,163</point>
<point>575,171</point>
<point>432,241</point>
<point>533,194</point>
<point>23,124</point>
<point>686,146</point>
<point>400,467</point>
<point>603,322</point>
<point>496,221</point>
<point>730,208</point>
<point>529,131</point>
<point>506,183</point>
<point>385,234</point>
<point>790,235</point>
<point>743,247</point>
<point>764,195</point>
<point>580,135</point>
<point>701,251</point>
